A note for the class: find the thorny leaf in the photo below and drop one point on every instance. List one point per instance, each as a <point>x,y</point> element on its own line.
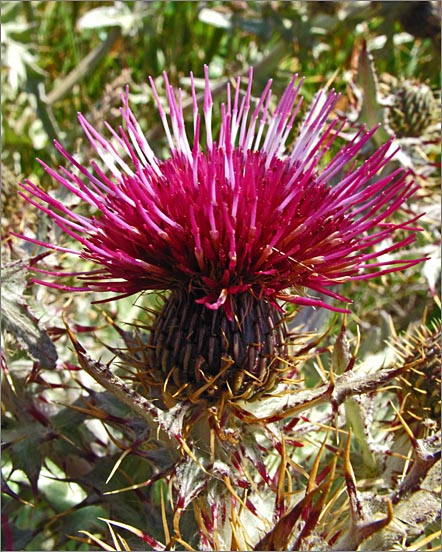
<point>105,377</point>
<point>426,452</point>
<point>19,321</point>
<point>279,536</point>
<point>412,517</point>
<point>336,392</point>
<point>191,481</point>
<point>141,534</point>
<point>315,512</point>
<point>26,451</point>
<point>25,439</point>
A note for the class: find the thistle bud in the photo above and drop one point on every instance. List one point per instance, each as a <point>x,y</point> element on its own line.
<point>420,383</point>
<point>413,109</point>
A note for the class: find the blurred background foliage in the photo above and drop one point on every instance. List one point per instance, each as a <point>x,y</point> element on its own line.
<point>63,438</point>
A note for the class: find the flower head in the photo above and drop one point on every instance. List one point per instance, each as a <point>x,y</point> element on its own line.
<point>241,214</point>
<point>237,220</point>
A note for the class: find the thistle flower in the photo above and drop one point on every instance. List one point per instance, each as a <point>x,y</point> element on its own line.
<point>233,228</point>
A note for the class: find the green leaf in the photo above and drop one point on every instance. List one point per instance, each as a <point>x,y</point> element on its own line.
<point>19,321</point>
<point>371,112</point>
<point>25,450</point>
